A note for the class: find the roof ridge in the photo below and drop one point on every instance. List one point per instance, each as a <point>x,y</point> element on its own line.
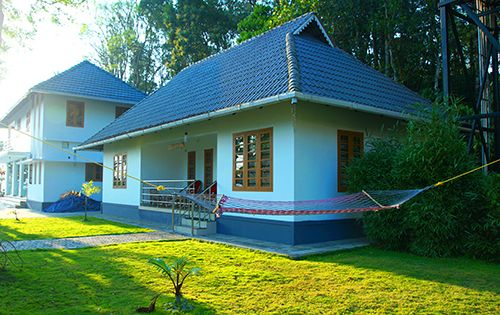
<point>248,40</point>
<point>292,63</point>
<point>113,76</point>
<point>58,74</point>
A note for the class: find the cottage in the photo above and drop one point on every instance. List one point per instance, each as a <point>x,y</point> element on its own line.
<point>63,111</point>
<point>274,118</point>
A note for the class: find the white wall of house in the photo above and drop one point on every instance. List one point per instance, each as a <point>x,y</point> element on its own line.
<point>130,195</point>
<point>149,157</point>
<point>168,160</point>
<point>316,156</point>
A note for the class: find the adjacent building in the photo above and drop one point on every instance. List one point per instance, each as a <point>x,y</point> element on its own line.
<point>53,117</point>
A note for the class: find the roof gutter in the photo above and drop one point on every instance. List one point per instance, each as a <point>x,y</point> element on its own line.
<point>94,98</point>
<point>197,118</point>
<point>350,105</point>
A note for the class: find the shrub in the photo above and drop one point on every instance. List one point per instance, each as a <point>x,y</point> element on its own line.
<point>439,222</point>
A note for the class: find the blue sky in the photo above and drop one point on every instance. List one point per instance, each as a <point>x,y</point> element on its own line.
<point>53,49</point>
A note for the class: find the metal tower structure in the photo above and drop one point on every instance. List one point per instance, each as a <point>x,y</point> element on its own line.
<point>484,16</point>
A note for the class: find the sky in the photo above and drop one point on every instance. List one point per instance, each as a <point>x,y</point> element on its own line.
<point>53,49</point>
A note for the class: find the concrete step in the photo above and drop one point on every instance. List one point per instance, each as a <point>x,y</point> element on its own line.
<point>207,217</point>
<point>211,228</point>
<point>202,224</point>
<point>13,202</point>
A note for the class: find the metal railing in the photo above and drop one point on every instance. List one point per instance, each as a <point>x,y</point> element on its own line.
<point>181,198</point>
<point>151,197</point>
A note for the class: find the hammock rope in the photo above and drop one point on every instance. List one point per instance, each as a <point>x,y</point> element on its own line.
<point>358,202</point>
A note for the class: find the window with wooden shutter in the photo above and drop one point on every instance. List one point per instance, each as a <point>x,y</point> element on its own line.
<point>191,165</point>
<point>350,145</point>
<point>208,173</point>
<point>253,160</point>
<point>75,114</point>
<point>93,172</point>
<point>120,171</point>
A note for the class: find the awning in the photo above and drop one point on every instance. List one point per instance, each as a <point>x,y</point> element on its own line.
<point>13,156</point>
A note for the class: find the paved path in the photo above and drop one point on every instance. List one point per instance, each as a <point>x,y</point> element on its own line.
<point>92,241</point>
<point>164,232</point>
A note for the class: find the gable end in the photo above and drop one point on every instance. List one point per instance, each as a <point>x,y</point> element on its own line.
<point>314,28</point>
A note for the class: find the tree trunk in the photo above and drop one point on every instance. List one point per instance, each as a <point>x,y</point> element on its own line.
<point>85,218</point>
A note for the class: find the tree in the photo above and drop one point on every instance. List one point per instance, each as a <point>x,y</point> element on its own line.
<point>130,47</point>
<point>177,272</point>
<point>195,29</point>
<point>400,38</point>
<point>88,190</point>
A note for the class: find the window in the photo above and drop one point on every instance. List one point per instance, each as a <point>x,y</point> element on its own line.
<point>120,110</point>
<point>28,120</point>
<point>253,160</point>
<point>120,171</point>
<point>191,169</point>
<point>93,172</point>
<point>75,112</point>
<point>350,146</point>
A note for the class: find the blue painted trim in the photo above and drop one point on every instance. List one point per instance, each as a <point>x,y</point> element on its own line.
<point>260,229</point>
<point>306,232</point>
<point>292,233</point>
<point>133,212</point>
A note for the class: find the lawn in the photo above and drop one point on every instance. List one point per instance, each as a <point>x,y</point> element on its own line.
<point>40,228</point>
<point>116,279</point>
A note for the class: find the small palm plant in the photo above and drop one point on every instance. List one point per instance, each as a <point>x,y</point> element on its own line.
<point>88,189</point>
<point>177,272</point>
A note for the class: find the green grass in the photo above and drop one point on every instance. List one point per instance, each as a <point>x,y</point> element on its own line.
<point>41,228</point>
<point>116,279</point>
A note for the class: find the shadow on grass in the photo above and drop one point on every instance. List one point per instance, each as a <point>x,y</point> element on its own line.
<point>464,272</point>
<point>93,280</point>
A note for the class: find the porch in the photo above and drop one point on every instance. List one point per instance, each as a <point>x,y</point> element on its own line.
<point>186,168</point>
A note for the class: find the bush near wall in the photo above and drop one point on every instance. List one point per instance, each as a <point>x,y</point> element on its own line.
<point>458,218</point>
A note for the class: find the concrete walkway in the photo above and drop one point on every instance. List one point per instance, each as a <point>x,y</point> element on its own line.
<point>164,232</point>
<point>292,251</point>
<point>91,241</point>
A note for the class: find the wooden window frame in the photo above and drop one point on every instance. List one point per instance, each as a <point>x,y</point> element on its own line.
<point>191,156</point>
<point>350,154</point>
<point>120,183</point>
<point>71,122</point>
<point>258,160</point>
<point>93,172</point>
<point>120,108</point>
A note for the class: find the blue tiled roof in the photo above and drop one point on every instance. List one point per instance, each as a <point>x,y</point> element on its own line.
<point>258,68</point>
<point>89,81</point>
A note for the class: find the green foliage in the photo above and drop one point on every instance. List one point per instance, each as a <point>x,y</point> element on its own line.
<point>89,189</point>
<point>256,23</point>
<point>397,37</point>
<point>177,272</point>
<point>441,221</point>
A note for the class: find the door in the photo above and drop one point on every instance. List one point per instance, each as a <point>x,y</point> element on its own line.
<point>208,172</point>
